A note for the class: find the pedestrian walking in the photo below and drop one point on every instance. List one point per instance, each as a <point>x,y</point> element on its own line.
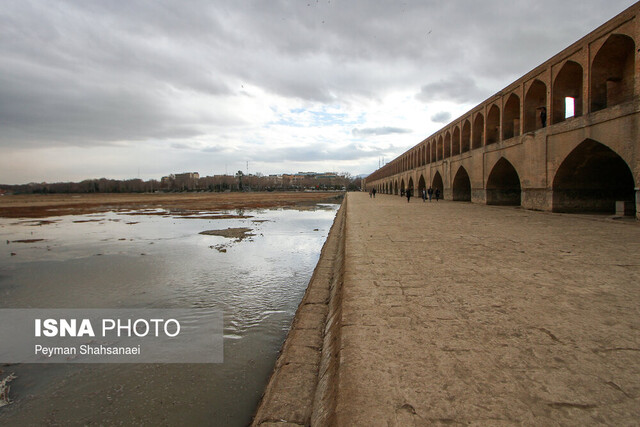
<point>430,193</point>
<point>437,194</point>
<point>424,195</point>
<point>374,193</point>
<point>408,193</point>
<point>543,116</point>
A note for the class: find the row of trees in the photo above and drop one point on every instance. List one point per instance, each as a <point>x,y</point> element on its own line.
<point>102,185</point>
<point>217,183</point>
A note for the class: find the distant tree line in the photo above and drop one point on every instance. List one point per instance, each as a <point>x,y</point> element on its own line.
<point>216,183</point>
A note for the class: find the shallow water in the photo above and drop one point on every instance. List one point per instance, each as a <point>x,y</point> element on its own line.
<point>118,259</point>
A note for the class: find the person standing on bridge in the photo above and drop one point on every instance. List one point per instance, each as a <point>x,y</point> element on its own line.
<point>430,193</point>
<point>408,193</point>
<point>437,194</point>
<point>374,193</point>
<point>424,194</point>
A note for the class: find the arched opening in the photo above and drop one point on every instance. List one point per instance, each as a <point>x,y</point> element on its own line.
<point>410,187</point>
<point>568,84</point>
<point>402,187</point>
<point>462,186</point>
<point>434,157</point>
<point>503,185</point>
<point>421,185</point>
<point>511,117</point>
<point>493,125</point>
<point>591,179</point>
<point>478,131</point>
<point>465,143</point>
<point>447,145</point>
<point>395,190</point>
<point>437,182</point>
<point>455,143</point>
<point>612,72</point>
<point>440,148</point>
<point>535,107</point>
<point>429,153</point>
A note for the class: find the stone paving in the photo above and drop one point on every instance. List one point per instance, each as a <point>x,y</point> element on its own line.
<point>456,313</point>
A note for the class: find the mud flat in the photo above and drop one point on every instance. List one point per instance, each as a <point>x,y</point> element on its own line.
<point>455,313</point>
<point>42,206</point>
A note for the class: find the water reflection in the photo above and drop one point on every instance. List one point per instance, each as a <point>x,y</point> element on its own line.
<point>118,259</point>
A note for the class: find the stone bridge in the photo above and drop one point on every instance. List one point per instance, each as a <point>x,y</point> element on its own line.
<point>584,157</point>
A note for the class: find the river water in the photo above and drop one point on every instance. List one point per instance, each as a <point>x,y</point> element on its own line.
<point>152,259</point>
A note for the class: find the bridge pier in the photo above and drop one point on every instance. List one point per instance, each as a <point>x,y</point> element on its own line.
<point>478,195</point>
<point>537,199</point>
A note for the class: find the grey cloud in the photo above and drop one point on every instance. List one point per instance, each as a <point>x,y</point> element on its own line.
<point>314,153</point>
<point>99,72</point>
<point>386,130</point>
<point>454,89</point>
<point>441,117</point>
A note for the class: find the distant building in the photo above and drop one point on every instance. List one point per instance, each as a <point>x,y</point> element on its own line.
<point>181,181</point>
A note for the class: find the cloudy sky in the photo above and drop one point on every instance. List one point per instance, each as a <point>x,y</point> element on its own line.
<point>122,89</point>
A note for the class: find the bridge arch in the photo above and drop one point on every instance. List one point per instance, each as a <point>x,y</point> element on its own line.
<point>447,145</point>
<point>591,179</point>
<point>568,84</point>
<point>612,72</point>
<point>455,142</point>
<point>436,182</point>
<point>511,117</point>
<point>465,142</point>
<point>421,185</point>
<point>493,125</point>
<point>434,157</point>
<point>402,187</point>
<point>478,131</point>
<point>503,185</point>
<point>440,148</point>
<point>462,186</point>
<point>395,190</point>
<point>534,101</point>
<point>410,186</point>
